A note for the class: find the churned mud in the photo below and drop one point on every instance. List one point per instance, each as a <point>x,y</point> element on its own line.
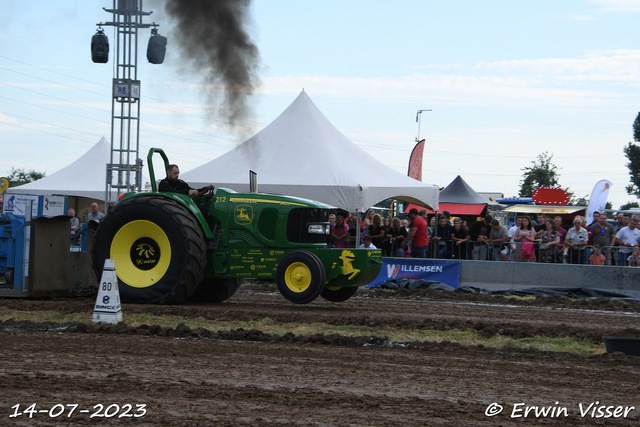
<point>157,376</point>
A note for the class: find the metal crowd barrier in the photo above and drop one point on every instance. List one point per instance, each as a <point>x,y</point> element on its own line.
<point>484,251</point>
<point>612,254</point>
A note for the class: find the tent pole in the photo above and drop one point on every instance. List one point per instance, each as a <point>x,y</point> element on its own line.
<point>358,231</point>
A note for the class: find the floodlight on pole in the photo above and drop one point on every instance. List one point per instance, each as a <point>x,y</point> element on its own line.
<point>100,47</point>
<point>419,120</point>
<point>124,170</point>
<point>157,47</point>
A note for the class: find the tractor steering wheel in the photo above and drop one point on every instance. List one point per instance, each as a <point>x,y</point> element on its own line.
<point>205,195</point>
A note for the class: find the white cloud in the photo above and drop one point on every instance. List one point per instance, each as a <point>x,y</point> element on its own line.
<point>444,89</point>
<point>613,65</point>
<point>598,78</point>
<point>8,120</point>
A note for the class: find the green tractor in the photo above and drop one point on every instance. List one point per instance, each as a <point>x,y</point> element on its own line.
<point>168,247</point>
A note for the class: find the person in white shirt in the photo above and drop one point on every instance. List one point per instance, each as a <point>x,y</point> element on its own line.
<point>628,237</point>
<point>577,240</point>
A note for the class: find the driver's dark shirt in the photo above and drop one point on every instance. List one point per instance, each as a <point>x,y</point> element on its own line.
<point>174,186</point>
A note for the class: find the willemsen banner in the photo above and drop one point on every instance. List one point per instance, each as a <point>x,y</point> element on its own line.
<point>432,270</point>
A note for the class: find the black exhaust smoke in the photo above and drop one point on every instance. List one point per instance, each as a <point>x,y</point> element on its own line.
<point>211,36</point>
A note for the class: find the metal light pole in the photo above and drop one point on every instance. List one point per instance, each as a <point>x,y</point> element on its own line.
<point>419,120</point>
<point>124,172</point>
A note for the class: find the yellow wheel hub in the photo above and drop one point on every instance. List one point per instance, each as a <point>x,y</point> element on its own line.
<point>297,277</point>
<point>142,253</point>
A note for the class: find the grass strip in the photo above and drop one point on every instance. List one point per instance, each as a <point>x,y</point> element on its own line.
<point>267,325</point>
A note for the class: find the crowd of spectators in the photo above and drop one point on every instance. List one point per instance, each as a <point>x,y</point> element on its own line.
<point>544,240</point>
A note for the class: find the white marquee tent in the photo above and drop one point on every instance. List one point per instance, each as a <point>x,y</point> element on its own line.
<point>86,177</point>
<point>301,153</point>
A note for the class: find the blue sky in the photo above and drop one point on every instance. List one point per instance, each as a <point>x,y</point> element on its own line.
<point>505,82</point>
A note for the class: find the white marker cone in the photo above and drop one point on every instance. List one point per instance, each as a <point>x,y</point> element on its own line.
<point>107,308</point>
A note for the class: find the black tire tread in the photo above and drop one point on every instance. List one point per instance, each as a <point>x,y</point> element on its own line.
<point>216,290</point>
<point>193,243</point>
<point>338,295</point>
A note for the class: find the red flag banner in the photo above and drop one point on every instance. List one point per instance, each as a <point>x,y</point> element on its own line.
<point>415,161</point>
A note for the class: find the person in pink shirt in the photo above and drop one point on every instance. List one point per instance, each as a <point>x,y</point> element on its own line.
<point>340,233</point>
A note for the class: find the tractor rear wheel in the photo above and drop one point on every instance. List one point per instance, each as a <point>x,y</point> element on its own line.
<point>158,246</point>
<point>215,290</point>
<point>300,277</point>
<point>336,294</point>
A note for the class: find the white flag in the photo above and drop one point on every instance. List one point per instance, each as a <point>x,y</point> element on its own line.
<point>598,199</point>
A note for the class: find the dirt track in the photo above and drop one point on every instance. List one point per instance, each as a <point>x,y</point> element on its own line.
<point>231,378</point>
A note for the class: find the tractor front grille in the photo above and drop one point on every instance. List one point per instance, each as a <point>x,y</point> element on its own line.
<point>298,221</point>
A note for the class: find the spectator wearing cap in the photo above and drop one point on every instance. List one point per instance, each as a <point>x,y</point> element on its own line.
<point>418,235</point>
<point>366,243</point>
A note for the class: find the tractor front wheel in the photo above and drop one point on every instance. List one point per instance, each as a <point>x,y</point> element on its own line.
<point>300,277</point>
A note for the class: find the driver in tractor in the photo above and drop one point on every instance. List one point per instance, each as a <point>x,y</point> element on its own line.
<point>171,184</point>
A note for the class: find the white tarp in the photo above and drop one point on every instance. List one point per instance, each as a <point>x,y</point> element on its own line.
<point>301,153</point>
<point>86,177</point>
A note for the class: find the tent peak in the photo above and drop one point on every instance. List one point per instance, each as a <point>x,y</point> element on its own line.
<point>301,153</point>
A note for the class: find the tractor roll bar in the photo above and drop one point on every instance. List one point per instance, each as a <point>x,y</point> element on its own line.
<point>152,175</point>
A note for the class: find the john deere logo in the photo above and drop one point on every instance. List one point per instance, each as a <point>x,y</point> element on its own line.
<point>244,214</point>
<point>145,253</point>
<point>346,268</point>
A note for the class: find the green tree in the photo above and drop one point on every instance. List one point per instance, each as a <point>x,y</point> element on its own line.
<point>541,173</point>
<point>632,152</point>
<point>18,177</point>
<point>608,205</point>
<point>629,205</point>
